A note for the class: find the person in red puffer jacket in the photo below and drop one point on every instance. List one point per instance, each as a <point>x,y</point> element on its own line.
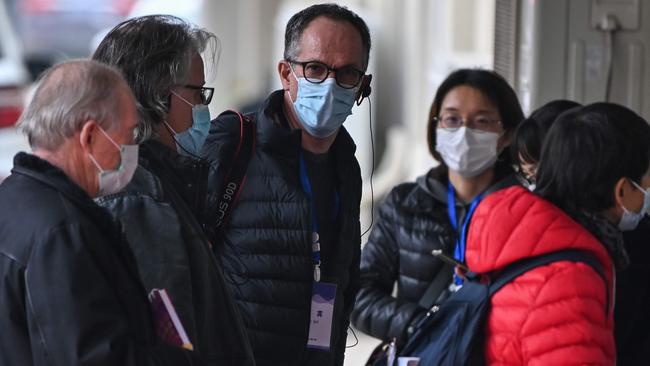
<point>593,181</point>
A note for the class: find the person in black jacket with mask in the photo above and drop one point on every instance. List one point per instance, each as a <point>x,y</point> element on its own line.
<point>70,292</point>
<point>292,242</point>
<point>631,318</point>
<point>471,121</point>
<point>160,57</point>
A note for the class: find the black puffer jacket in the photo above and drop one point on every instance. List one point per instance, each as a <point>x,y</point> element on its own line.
<point>266,247</point>
<point>158,212</point>
<point>631,316</point>
<point>70,292</point>
<point>412,221</point>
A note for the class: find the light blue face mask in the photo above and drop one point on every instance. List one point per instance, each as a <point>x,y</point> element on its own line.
<point>322,108</point>
<point>630,220</point>
<point>190,141</point>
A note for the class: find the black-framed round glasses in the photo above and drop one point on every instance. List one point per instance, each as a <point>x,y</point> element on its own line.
<point>206,93</point>
<point>316,72</point>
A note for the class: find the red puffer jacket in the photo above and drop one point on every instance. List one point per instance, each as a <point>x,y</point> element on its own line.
<point>554,314</point>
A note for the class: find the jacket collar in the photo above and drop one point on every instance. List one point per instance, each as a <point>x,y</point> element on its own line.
<point>155,152</point>
<point>273,131</point>
<point>186,175</point>
<point>434,184</point>
<point>514,223</point>
<point>608,234</point>
<point>40,170</point>
<point>50,175</point>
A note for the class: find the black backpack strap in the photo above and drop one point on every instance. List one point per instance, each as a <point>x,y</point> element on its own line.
<point>437,286</point>
<point>235,177</point>
<point>518,268</point>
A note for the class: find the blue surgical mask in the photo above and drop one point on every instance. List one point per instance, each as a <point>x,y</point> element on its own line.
<point>190,141</point>
<point>322,108</point>
<point>630,220</point>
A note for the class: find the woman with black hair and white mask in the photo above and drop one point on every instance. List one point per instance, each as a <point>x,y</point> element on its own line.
<point>471,120</point>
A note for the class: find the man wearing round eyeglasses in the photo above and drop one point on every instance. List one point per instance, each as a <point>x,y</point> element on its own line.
<point>292,240</point>
<point>160,57</point>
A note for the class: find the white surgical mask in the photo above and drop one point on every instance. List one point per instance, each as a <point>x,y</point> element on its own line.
<point>530,186</point>
<point>630,220</point>
<point>113,181</point>
<point>526,182</point>
<point>467,151</point>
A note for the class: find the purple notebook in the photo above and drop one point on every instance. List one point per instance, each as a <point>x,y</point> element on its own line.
<point>166,322</point>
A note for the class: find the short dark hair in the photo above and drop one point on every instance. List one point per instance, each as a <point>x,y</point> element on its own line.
<point>494,87</point>
<point>529,135</point>
<point>299,22</point>
<point>587,151</point>
<point>154,54</point>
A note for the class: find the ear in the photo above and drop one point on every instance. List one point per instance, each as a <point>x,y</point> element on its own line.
<point>364,89</point>
<point>614,213</point>
<point>284,70</point>
<point>87,135</point>
<point>620,189</point>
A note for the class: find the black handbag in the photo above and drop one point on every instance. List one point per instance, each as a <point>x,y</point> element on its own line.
<point>435,294</point>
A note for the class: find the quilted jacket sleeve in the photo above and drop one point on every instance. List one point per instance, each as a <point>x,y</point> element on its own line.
<point>377,312</point>
<point>554,315</point>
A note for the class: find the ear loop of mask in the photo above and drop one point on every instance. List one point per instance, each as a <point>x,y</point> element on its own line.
<point>96,163</point>
<point>183,99</point>
<point>292,109</point>
<point>645,193</point>
<point>92,158</point>
<point>296,77</point>
<point>173,133</point>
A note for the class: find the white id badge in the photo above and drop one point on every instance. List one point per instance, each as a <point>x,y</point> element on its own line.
<point>322,310</point>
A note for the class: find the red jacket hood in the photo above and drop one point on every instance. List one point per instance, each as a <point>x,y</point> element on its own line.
<point>514,223</point>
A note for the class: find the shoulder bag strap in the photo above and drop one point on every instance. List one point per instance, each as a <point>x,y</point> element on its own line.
<point>235,178</point>
<point>437,286</point>
<point>518,268</point>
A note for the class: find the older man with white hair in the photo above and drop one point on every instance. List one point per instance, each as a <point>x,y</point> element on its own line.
<point>70,293</point>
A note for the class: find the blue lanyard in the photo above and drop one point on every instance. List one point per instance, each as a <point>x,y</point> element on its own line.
<point>461,241</point>
<point>315,238</point>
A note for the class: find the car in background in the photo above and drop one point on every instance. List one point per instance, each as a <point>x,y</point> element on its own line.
<point>55,30</point>
<point>14,81</point>
<point>188,10</point>
<point>14,77</point>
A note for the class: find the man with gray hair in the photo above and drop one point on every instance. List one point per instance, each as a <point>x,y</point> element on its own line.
<point>70,294</point>
<point>160,57</point>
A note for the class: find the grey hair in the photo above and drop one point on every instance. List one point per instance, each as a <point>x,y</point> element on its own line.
<point>299,22</point>
<point>154,53</point>
<point>68,95</point>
